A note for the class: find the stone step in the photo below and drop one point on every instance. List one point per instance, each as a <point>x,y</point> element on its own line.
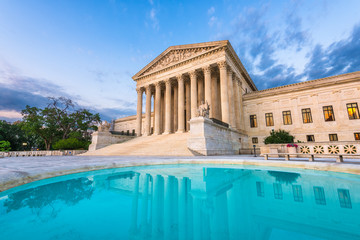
<point>161,145</point>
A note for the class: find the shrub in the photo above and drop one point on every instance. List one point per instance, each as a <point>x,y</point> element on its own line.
<point>5,146</point>
<point>70,144</point>
<point>279,136</point>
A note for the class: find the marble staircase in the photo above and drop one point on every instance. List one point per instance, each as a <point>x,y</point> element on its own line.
<point>154,145</point>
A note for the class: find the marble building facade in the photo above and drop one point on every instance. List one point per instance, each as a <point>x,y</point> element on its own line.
<point>183,77</point>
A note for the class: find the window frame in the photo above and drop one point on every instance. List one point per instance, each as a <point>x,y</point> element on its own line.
<point>307,138</point>
<point>287,115</point>
<point>256,140</point>
<point>253,121</point>
<point>329,110</point>
<point>332,135</point>
<point>269,119</point>
<point>356,112</point>
<point>357,136</point>
<point>306,112</point>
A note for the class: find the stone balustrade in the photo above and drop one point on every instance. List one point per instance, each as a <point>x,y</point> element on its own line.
<point>41,153</point>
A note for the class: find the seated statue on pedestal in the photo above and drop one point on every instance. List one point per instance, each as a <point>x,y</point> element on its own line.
<point>203,110</point>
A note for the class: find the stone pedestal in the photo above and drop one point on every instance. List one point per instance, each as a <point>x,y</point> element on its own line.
<point>209,138</point>
<point>292,151</point>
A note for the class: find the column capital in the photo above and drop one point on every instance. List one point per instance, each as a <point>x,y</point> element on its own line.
<point>222,64</point>
<point>167,81</point>
<point>140,90</point>
<point>158,84</point>
<point>193,74</point>
<point>207,69</point>
<point>180,77</point>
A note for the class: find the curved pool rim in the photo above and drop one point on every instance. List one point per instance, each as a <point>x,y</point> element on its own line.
<point>16,178</point>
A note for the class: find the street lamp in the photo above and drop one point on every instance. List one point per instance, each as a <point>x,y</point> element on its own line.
<point>254,150</point>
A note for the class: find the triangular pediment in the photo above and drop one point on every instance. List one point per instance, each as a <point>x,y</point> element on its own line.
<point>177,54</point>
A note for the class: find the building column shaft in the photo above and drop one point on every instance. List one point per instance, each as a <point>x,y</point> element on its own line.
<point>231,99</point>
<point>148,112</point>
<point>139,113</point>
<point>225,114</point>
<point>168,106</point>
<point>237,104</point>
<point>157,116</point>
<point>181,105</point>
<point>207,80</point>
<point>193,89</point>
<point>188,105</point>
<point>175,107</point>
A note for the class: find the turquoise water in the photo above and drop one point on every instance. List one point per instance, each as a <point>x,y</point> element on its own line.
<point>185,202</point>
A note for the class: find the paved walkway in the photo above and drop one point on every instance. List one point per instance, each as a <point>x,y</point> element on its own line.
<point>22,170</point>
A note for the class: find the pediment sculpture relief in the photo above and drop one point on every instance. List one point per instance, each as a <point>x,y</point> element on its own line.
<point>176,56</point>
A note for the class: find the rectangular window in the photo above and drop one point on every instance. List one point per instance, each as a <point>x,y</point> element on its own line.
<point>260,189</point>
<point>319,195</point>
<point>287,117</point>
<point>297,193</point>
<point>333,137</point>
<point>269,119</point>
<point>357,136</point>
<point>353,110</point>
<point>133,132</point>
<point>344,198</point>
<point>306,115</point>
<point>278,191</point>
<point>253,121</point>
<point>255,140</point>
<point>310,138</point>
<point>328,113</point>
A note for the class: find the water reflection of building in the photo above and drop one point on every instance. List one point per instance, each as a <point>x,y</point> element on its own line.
<point>239,204</point>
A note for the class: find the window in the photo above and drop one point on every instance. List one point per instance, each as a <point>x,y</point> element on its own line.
<point>333,137</point>
<point>357,136</point>
<point>319,195</point>
<point>306,114</point>
<point>253,121</point>
<point>260,189</point>
<point>353,110</point>
<point>344,198</point>
<point>328,113</point>
<point>269,119</point>
<point>297,193</point>
<point>255,140</point>
<point>278,191</point>
<point>287,117</point>
<point>133,132</point>
<point>310,138</point>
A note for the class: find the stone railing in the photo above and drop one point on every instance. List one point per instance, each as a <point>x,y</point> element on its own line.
<point>318,148</point>
<point>41,153</point>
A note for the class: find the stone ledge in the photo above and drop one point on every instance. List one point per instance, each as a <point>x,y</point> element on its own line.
<point>16,172</point>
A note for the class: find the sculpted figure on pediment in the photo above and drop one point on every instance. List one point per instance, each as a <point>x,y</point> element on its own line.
<point>177,56</point>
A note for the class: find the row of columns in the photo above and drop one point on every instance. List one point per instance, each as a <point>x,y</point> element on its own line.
<point>186,95</point>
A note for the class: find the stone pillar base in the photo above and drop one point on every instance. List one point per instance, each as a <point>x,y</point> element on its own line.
<point>103,139</point>
<point>209,138</point>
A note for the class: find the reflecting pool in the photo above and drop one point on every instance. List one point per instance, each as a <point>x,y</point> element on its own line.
<point>185,202</point>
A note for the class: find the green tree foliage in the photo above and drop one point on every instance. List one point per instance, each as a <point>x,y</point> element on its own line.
<point>5,146</point>
<point>58,120</point>
<point>13,133</point>
<point>279,136</point>
<point>70,144</point>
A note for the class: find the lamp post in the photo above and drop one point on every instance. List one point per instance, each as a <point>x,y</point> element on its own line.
<point>254,150</point>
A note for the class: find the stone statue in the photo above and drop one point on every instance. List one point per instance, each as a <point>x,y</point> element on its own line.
<point>104,127</point>
<point>203,110</point>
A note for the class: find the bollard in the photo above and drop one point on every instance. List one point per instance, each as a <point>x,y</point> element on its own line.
<point>287,157</point>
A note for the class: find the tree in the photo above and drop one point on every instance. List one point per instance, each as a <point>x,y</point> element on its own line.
<point>279,136</point>
<point>5,146</point>
<point>71,144</point>
<point>58,120</point>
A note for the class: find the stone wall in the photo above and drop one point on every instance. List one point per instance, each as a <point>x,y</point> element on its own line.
<point>103,139</point>
<point>209,138</point>
<point>41,153</point>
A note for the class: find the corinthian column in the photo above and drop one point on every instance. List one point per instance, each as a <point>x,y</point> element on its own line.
<point>167,106</point>
<point>231,99</point>
<point>193,95</point>
<point>139,111</point>
<point>225,114</point>
<point>181,104</point>
<point>207,80</point>
<point>148,111</point>
<point>157,108</point>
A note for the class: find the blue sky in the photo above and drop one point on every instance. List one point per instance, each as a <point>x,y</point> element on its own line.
<point>88,50</point>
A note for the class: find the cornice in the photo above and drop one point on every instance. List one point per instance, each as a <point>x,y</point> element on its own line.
<point>307,85</point>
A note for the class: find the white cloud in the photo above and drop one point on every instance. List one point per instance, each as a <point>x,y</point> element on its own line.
<point>211,11</point>
<point>153,18</point>
<point>213,20</point>
<point>10,114</point>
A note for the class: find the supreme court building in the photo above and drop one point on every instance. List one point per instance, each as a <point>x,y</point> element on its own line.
<point>184,77</point>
